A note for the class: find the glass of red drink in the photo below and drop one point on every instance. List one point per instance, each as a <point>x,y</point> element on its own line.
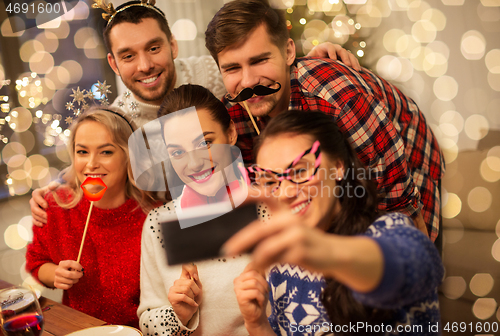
<point>20,313</point>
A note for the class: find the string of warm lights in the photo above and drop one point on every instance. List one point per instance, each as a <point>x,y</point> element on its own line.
<point>40,93</point>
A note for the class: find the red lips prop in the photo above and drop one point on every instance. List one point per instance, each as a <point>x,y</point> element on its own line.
<point>93,181</point>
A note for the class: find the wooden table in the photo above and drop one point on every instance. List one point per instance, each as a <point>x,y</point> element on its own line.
<point>60,319</point>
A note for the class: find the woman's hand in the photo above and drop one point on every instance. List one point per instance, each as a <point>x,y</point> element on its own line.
<point>283,239</point>
<point>67,273</point>
<point>252,290</point>
<point>355,261</point>
<point>335,52</point>
<point>186,294</point>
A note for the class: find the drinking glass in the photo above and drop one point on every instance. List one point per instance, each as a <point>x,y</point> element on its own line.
<point>20,313</point>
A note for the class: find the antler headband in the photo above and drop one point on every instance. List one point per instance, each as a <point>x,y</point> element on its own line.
<point>111,11</point>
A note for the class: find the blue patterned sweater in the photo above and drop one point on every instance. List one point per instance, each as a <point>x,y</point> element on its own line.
<point>413,271</point>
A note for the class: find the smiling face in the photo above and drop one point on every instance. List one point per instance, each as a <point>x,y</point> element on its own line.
<point>143,57</point>
<point>190,140</point>
<point>96,155</point>
<point>313,201</point>
<point>259,61</point>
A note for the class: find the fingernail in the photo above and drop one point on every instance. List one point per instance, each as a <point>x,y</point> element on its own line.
<point>196,276</point>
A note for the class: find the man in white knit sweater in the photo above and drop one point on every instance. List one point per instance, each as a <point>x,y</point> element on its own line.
<point>143,52</point>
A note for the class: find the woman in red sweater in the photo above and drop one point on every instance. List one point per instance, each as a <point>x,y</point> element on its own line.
<point>105,283</point>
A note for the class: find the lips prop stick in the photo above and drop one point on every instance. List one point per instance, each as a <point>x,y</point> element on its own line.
<point>247,93</point>
<point>92,198</point>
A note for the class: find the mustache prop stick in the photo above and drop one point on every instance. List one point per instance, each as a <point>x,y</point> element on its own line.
<point>92,198</point>
<point>247,93</point>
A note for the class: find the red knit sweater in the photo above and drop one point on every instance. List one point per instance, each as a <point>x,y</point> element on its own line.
<point>109,289</point>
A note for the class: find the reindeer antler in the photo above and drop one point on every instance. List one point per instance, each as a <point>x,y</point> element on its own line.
<point>109,9</point>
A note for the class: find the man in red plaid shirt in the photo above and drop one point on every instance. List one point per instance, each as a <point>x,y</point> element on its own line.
<point>249,41</point>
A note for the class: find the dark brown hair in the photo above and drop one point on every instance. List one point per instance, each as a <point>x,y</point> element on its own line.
<point>189,95</point>
<point>135,15</point>
<point>237,19</point>
<point>356,214</point>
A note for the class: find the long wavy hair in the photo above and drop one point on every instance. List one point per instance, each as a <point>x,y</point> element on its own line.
<point>356,214</point>
<point>120,130</point>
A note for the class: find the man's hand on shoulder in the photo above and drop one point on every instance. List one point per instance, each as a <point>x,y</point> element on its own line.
<point>38,204</point>
<point>335,52</point>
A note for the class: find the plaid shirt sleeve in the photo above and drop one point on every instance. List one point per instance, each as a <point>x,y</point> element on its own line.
<point>423,154</point>
<point>365,120</point>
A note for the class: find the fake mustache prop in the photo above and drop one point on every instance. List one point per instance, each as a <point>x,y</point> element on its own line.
<point>247,93</point>
<point>257,90</point>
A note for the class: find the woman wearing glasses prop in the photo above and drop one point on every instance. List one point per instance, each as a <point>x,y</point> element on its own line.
<point>332,260</point>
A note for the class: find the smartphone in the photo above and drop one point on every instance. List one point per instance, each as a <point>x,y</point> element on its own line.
<point>204,240</point>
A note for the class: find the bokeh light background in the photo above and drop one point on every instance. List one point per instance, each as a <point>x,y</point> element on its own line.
<point>445,54</point>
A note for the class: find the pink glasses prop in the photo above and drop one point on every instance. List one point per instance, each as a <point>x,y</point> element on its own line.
<point>295,172</point>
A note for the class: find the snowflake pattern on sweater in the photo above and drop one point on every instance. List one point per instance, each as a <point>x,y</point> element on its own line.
<point>295,298</point>
<point>413,271</point>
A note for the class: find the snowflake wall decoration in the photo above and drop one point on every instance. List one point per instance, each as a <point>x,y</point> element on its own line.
<point>83,99</point>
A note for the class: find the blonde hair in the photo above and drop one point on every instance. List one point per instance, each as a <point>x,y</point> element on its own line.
<point>120,130</point>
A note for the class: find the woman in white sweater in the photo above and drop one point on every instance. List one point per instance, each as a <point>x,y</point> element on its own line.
<point>185,300</point>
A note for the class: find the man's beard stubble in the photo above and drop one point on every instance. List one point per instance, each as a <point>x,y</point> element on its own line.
<point>165,88</point>
<point>268,105</point>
